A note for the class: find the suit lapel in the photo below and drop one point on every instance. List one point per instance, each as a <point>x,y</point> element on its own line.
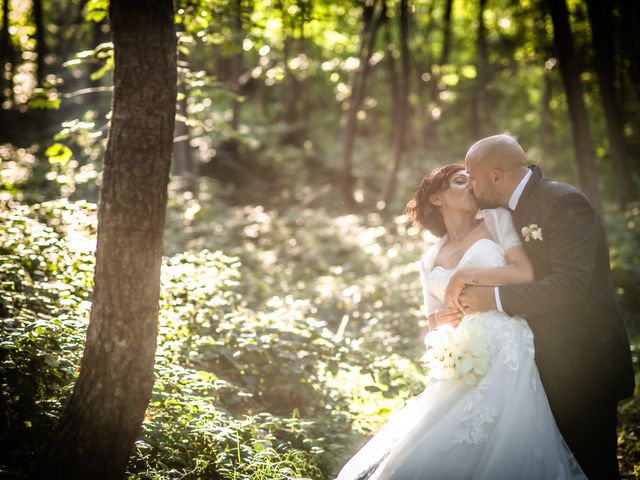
<point>523,206</point>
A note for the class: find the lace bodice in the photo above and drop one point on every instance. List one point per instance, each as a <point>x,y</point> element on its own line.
<point>484,253</point>
<point>506,334</point>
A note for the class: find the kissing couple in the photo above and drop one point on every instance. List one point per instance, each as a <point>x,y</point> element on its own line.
<point>522,265</point>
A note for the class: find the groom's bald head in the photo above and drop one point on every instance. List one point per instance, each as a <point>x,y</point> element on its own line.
<point>498,151</point>
<point>495,165</point>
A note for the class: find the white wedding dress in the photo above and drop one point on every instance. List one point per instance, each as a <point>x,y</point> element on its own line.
<point>500,429</point>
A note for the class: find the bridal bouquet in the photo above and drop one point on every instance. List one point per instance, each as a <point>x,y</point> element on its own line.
<point>457,353</point>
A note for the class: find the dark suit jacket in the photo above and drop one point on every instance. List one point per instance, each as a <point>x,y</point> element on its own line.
<point>580,337</point>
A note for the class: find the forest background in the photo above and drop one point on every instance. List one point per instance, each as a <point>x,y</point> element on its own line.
<point>290,322</point>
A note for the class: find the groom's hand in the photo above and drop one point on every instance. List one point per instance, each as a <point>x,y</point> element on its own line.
<point>477,299</point>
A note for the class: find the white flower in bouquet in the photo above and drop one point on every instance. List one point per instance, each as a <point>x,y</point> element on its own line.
<point>457,353</point>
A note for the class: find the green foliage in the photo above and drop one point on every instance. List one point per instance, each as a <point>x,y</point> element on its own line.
<point>240,392</point>
<point>623,231</point>
<point>45,285</point>
<point>276,358</point>
<point>358,270</point>
<point>96,10</point>
<point>44,100</point>
<point>274,368</point>
<point>629,421</point>
<point>58,154</point>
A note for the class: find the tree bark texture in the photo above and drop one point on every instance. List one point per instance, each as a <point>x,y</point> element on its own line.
<point>601,20</point>
<point>372,18</point>
<point>582,144</point>
<point>102,419</point>
<point>401,108</point>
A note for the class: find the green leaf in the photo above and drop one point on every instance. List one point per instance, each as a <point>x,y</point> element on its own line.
<point>95,16</point>
<point>44,103</point>
<point>59,154</point>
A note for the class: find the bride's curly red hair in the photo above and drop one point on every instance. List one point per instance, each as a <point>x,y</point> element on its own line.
<point>420,210</point>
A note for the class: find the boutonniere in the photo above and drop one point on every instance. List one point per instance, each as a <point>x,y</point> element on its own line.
<point>533,231</point>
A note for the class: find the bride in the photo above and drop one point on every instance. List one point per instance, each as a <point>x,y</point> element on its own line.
<point>502,426</point>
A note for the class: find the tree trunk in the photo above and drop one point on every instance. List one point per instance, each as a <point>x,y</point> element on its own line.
<point>487,125</point>
<point>237,67</point>
<point>182,158</point>
<point>182,164</point>
<point>291,91</point>
<point>582,145</point>
<point>102,419</point>
<point>444,53</point>
<point>424,78</point>
<point>7,56</point>
<point>545,55</point>
<point>629,14</point>
<point>391,65</point>
<point>372,17</point>
<point>601,20</point>
<point>546,115</point>
<point>303,83</point>
<point>402,110</point>
<point>431,121</point>
<point>41,46</point>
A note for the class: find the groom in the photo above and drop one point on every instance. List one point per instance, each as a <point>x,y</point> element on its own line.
<point>582,350</point>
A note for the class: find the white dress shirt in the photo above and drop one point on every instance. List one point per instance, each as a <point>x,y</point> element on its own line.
<point>513,203</point>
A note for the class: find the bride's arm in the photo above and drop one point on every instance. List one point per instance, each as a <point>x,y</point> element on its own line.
<point>518,270</point>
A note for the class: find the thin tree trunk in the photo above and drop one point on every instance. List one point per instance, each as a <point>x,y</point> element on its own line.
<point>582,144</point>
<point>182,159</point>
<point>41,46</point>
<point>391,64</point>
<point>303,83</point>
<point>545,52</point>
<point>484,89</point>
<point>424,77</point>
<point>446,34</point>
<point>98,37</point>
<point>601,19</point>
<point>431,122</point>
<point>238,67</point>
<point>546,115</point>
<point>446,49</point>
<point>372,18</point>
<point>7,56</point>
<point>292,87</point>
<point>629,14</point>
<point>402,110</point>
<point>103,417</point>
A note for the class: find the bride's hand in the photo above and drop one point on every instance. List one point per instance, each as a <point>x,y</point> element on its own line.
<point>454,289</point>
<point>445,316</point>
